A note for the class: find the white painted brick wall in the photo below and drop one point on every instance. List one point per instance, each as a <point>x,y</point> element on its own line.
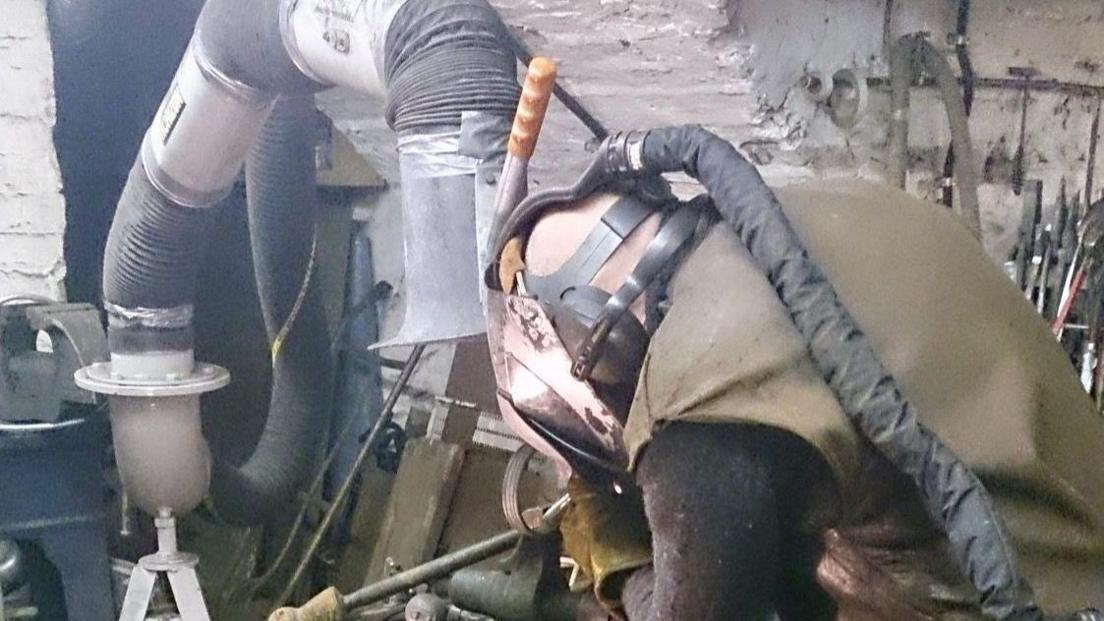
<point>32,209</point>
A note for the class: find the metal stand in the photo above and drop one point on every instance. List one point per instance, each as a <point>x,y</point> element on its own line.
<point>178,567</point>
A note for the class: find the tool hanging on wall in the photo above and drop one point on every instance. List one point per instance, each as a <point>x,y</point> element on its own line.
<point>960,39</point>
<point>1080,284</point>
<point>1025,74</point>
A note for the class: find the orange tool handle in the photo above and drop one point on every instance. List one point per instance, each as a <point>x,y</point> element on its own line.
<point>535,95</point>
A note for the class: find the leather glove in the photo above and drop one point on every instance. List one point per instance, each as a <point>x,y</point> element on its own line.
<point>606,534</point>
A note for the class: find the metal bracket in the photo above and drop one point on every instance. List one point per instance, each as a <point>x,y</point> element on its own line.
<point>34,384</point>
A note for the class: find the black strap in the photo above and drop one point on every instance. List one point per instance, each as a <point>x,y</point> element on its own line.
<point>604,239</point>
<point>678,230</point>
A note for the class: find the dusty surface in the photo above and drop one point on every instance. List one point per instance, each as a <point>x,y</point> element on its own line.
<point>32,211</point>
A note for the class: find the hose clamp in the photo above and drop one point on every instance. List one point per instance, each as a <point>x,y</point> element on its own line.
<point>623,153</point>
<point>158,318</point>
<point>214,75</point>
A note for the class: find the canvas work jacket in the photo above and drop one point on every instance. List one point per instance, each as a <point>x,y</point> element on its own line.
<point>968,351</point>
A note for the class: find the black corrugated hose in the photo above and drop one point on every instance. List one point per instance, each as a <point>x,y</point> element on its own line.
<point>281,200</point>
<point>446,57</point>
<point>952,493</point>
<point>151,259</point>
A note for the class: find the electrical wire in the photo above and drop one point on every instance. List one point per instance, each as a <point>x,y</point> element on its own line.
<point>297,306</point>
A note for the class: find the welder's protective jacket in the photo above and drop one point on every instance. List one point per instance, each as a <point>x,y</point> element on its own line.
<point>967,350</point>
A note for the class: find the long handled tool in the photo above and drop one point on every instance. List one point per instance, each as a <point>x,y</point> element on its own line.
<point>514,181</point>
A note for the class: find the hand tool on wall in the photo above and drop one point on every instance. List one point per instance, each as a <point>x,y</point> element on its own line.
<point>1094,140</point>
<point>1043,273</point>
<point>961,41</point>
<point>1025,74</point>
<point>1030,250</point>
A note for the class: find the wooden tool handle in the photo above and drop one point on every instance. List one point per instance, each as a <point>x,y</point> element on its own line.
<point>535,95</point>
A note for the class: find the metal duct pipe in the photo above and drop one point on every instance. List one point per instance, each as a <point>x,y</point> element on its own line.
<point>451,85</point>
<point>909,55</point>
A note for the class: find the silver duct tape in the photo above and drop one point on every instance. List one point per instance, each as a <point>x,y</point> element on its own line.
<point>175,317</point>
<point>484,136</point>
<point>339,42</point>
<point>202,132</point>
<point>434,155</point>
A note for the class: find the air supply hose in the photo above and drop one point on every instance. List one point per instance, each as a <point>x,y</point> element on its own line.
<point>953,495</point>
<point>281,197</point>
<point>910,53</point>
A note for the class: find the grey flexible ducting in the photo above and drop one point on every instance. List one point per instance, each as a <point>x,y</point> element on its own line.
<point>910,53</point>
<point>152,256</point>
<point>445,57</point>
<point>155,245</point>
<point>281,195</point>
<point>953,495</point>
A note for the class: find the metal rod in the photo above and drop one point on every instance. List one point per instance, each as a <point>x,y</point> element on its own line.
<point>567,99</point>
<point>1034,84</point>
<point>346,485</point>
<point>437,568</point>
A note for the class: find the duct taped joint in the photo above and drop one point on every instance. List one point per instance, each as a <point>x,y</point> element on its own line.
<point>484,137</point>
<point>339,41</point>
<point>197,143</point>
<point>147,330</point>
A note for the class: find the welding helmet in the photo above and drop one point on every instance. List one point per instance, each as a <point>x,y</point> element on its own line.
<point>567,354</point>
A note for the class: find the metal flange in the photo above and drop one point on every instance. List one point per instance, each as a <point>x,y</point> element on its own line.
<point>98,378</point>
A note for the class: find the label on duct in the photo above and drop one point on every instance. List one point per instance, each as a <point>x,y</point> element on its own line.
<point>170,114</point>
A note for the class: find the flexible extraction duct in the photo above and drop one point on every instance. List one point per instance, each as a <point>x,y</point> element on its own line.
<point>909,55</point>
<point>280,177</point>
<point>451,86</point>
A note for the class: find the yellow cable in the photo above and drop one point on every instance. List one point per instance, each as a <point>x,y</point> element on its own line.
<point>281,336</point>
